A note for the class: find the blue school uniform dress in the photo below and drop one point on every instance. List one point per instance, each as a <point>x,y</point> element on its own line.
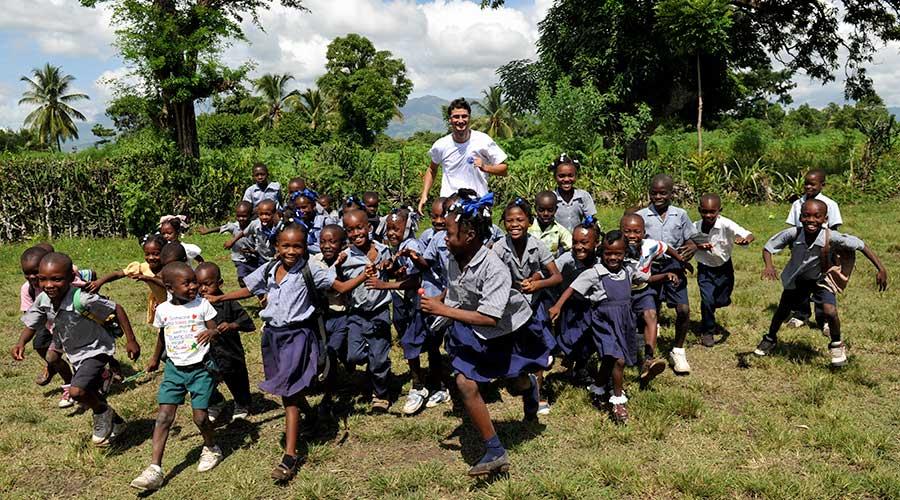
<point>674,230</point>
<point>571,213</point>
<point>516,345</point>
<point>369,320</point>
<point>263,239</point>
<point>415,334</point>
<point>613,323</point>
<point>575,319</point>
<point>426,236</point>
<point>290,347</point>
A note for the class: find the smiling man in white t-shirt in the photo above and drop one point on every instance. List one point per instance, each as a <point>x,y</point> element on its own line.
<point>465,156</point>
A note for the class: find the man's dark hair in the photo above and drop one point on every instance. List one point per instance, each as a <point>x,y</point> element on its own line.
<point>460,103</point>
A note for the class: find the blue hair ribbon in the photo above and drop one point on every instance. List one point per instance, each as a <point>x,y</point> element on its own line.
<point>472,207</point>
<point>590,220</point>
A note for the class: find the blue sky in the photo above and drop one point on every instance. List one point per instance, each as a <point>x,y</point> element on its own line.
<point>451,47</point>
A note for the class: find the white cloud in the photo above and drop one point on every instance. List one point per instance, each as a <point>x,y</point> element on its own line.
<point>61,27</point>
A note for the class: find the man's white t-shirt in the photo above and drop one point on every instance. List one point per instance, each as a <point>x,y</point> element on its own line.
<point>457,162</point>
<point>181,324</point>
<point>833,216</point>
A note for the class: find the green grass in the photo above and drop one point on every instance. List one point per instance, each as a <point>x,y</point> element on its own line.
<point>780,427</point>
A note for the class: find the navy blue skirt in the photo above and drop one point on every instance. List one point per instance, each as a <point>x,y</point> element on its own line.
<point>526,350</point>
<point>290,358</point>
<point>614,330</point>
<point>716,284</point>
<point>575,329</point>
<point>643,300</point>
<point>418,336</point>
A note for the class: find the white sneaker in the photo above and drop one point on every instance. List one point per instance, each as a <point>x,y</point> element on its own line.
<point>240,413</point>
<point>65,401</point>
<point>151,479</point>
<point>438,397</point>
<point>543,408</point>
<point>103,426</point>
<point>214,411</point>
<point>679,361</point>
<point>414,401</point>
<point>826,330</point>
<point>796,323</point>
<point>838,352</point>
<point>597,390</point>
<point>209,458</point>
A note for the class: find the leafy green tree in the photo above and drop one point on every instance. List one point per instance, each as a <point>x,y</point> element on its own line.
<point>521,80</point>
<point>174,46</point>
<point>368,85</point>
<point>498,121</point>
<point>235,101</point>
<point>696,28</point>
<point>53,119</point>
<point>276,99</point>
<point>315,106</point>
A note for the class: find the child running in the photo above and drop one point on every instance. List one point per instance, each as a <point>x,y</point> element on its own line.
<point>574,204</point>
<point>227,351</point>
<point>812,254</point>
<point>186,327</point>
<point>494,333</point>
<point>290,345</point>
<point>147,271</point>
<point>557,238</point>
<point>715,272</point>
<point>672,226</point>
<point>608,287</point>
<point>84,340</point>
<point>243,255</point>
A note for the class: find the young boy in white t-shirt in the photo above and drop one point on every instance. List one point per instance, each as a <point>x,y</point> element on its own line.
<point>186,327</point>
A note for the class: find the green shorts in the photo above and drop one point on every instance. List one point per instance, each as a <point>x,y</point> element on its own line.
<point>180,380</point>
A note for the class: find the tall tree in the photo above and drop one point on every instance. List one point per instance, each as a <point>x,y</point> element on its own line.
<point>52,121</point>
<point>696,28</point>
<point>368,85</point>
<point>276,99</point>
<point>315,107</point>
<point>174,46</point>
<point>498,120</point>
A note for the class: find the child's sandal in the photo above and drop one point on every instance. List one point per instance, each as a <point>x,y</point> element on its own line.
<point>283,473</point>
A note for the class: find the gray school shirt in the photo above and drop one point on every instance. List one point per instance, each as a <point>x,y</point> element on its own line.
<point>572,213</point>
<point>362,298</point>
<point>590,283</point>
<point>255,195</point>
<point>287,301</point>
<point>81,338</point>
<point>534,259</point>
<point>241,245</point>
<point>434,280</point>
<point>263,246</point>
<point>570,268</point>
<point>804,263</point>
<point>674,230</point>
<point>485,285</point>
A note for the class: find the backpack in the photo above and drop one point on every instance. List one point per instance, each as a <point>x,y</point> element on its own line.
<point>319,305</point>
<point>110,323</point>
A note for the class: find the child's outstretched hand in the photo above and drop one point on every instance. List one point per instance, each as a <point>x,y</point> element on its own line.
<point>133,349</point>
<point>554,312</point>
<point>341,258</point>
<point>226,327</point>
<point>528,285</point>
<point>430,305</point>
<point>708,246</point>
<point>770,274</point>
<point>18,352</point>
<point>152,365</point>
<point>374,284</point>
<point>206,335</point>
<point>371,272</point>
<point>93,286</point>
<point>744,241</point>
<point>214,299</point>
<point>408,252</point>
<point>881,279</point>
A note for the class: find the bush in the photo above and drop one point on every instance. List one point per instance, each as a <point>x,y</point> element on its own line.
<point>219,131</point>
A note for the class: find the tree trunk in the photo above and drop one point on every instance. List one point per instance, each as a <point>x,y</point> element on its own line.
<point>699,109</point>
<point>184,119</point>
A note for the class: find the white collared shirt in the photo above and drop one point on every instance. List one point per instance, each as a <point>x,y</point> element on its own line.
<point>721,235</point>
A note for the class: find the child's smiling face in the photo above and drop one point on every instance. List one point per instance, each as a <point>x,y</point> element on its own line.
<point>565,177</point>
<point>330,243</point>
<point>584,244</point>
<point>396,227</point>
<point>546,209</point>
<point>357,226</point>
<point>242,214</point>
<point>266,213</point>
<point>152,255</point>
<point>291,246</point>
<point>516,221</point>
<point>437,216</point>
<point>661,195</point>
<point>614,255</point>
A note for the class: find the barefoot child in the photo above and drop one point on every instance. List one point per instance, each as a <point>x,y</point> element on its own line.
<point>715,272</point>
<point>812,252</point>
<point>227,350</point>
<point>557,238</point>
<point>493,333</point>
<point>186,327</point>
<point>529,261</point>
<point>84,340</point>
<point>243,255</point>
<point>672,226</point>
<point>574,204</point>
<point>608,287</point>
<point>290,344</point>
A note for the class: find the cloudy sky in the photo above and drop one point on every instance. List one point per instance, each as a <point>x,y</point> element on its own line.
<point>451,47</point>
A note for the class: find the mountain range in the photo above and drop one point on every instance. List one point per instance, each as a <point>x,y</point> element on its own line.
<point>422,114</point>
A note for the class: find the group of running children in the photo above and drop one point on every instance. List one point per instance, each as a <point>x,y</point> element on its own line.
<point>501,305</point>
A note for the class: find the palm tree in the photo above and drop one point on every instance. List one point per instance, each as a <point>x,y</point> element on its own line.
<point>315,106</point>
<point>52,120</point>
<point>276,99</point>
<point>499,121</point>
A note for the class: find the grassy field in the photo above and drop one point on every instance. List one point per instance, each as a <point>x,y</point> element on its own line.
<point>780,427</point>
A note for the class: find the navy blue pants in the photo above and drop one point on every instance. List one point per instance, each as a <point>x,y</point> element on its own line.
<point>716,285</point>
<point>369,341</point>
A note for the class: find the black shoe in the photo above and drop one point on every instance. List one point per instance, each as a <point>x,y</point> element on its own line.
<point>765,347</point>
<point>707,339</point>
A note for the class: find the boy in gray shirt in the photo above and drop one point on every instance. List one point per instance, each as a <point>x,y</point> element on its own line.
<point>812,251</point>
